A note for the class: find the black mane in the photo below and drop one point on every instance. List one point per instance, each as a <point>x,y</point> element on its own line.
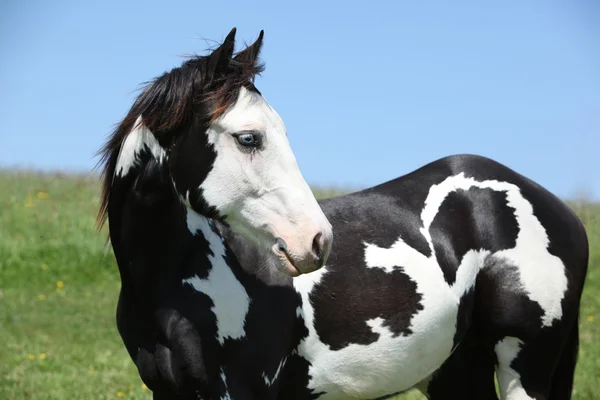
<point>203,86</point>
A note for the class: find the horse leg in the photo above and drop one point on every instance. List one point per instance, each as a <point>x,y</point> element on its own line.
<point>524,372</point>
<point>467,374</point>
<point>562,382</point>
<point>540,368</point>
<point>528,352</point>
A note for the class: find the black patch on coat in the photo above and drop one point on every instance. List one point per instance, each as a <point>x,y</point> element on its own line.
<point>191,160</point>
<point>295,376</point>
<point>502,307</point>
<point>471,220</point>
<point>373,218</point>
<point>294,380</point>
<point>467,374</point>
<point>464,316</point>
<point>390,296</point>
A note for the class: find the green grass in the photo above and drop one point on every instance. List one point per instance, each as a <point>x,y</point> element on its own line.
<point>58,293</point>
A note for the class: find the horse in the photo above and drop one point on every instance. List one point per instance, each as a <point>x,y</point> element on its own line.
<point>205,131</point>
<point>437,280</point>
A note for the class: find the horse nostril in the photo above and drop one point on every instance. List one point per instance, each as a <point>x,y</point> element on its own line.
<point>317,246</point>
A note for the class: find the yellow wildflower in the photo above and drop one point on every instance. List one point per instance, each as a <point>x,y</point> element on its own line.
<point>28,201</point>
<point>42,195</point>
<point>591,318</point>
<point>44,267</point>
<point>31,356</point>
<point>60,284</point>
<point>42,297</point>
<point>120,394</point>
<point>43,356</point>
<point>144,386</point>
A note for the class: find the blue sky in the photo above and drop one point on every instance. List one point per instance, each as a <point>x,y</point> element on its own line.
<point>368,90</point>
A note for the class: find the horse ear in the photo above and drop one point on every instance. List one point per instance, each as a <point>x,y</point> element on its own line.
<point>219,58</point>
<point>250,53</point>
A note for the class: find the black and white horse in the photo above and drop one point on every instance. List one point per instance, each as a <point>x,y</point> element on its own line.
<point>437,280</point>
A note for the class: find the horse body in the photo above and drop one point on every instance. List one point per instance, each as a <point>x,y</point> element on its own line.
<point>463,254</point>
<point>437,280</point>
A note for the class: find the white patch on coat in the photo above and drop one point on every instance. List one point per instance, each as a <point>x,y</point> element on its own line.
<point>509,380</point>
<point>390,364</point>
<point>542,275</point>
<point>230,299</point>
<point>134,142</point>
<point>269,381</point>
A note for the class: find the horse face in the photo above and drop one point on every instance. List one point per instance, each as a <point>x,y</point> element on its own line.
<point>227,153</point>
<point>242,171</point>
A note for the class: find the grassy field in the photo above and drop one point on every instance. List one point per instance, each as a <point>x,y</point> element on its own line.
<point>58,293</point>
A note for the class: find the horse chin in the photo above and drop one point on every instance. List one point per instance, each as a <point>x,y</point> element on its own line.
<point>262,241</point>
<point>285,263</point>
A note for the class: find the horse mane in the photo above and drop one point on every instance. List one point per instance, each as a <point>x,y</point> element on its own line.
<point>170,102</point>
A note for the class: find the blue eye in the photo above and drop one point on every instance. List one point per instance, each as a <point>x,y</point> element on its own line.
<point>246,139</point>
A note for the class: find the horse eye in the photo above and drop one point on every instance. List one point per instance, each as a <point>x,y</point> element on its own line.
<point>247,139</point>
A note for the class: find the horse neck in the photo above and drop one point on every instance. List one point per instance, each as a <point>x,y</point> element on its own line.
<point>184,270</point>
<point>208,238</point>
<point>162,247</point>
